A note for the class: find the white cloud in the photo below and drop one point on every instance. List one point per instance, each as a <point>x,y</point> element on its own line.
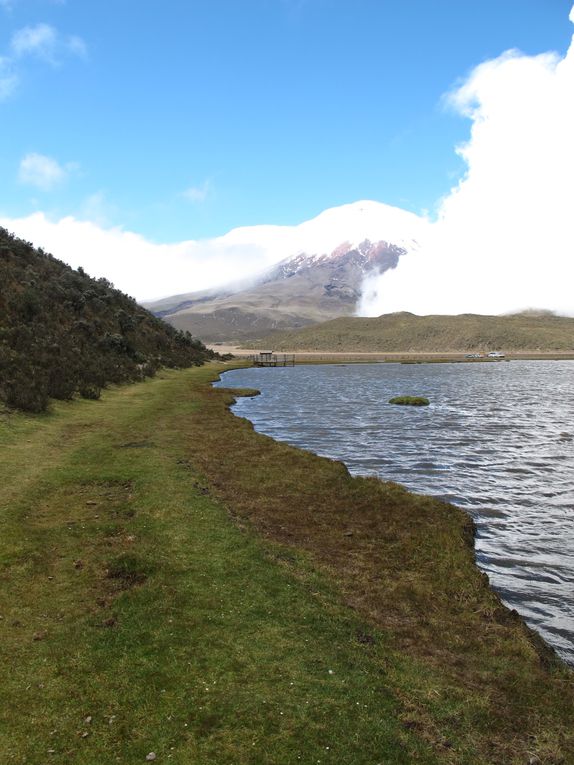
<point>148,270</point>
<point>40,40</point>
<point>197,194</point>
<point>504,238</point>
<point>45,42</point>
<point>42,172</point>
<point>77,46</point>
<point>98,210</point>
<point>8,79</point>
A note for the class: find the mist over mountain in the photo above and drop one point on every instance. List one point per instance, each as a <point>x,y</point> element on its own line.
<point>322,277</point>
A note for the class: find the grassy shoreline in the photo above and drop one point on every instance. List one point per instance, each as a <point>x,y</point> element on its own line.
<point>173,582</point>
<point>394,357</point>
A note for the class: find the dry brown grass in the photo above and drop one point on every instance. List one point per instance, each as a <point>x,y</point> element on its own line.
<point>473,678</point>
<point>402,332</point>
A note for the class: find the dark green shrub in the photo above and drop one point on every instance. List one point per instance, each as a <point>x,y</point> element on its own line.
<point>22,392</point>
<point>410,401</point>
<point>91,392</point>
<point>62,332</point>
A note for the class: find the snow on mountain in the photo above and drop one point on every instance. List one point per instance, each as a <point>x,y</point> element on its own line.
<point>353,223</point>
<point>256,249</point>
<point>364,258</point>
<point>350,224</point>
<point>321,276</point>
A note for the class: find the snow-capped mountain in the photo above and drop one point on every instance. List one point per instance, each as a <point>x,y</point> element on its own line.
<point>320,278</point>
<point>366,256</point>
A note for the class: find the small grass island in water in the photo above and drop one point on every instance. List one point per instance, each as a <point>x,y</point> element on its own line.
<point>410,400</point>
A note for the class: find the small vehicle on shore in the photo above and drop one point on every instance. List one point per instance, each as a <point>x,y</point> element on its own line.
<point>495,355</point>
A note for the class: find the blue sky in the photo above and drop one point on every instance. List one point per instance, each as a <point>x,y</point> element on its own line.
<point>184,119</point>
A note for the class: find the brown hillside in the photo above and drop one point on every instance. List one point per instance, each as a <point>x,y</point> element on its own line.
<point>402,332</point>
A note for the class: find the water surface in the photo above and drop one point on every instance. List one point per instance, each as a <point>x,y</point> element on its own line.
<point>497,440</point>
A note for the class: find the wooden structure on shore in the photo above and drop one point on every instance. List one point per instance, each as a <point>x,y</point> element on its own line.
<point>270,359</point>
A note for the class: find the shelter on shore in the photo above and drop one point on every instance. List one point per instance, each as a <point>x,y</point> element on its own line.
<point>270,359</point>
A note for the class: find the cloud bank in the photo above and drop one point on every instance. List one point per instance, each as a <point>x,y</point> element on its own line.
<point>504,237</point>
<point>148,270</point>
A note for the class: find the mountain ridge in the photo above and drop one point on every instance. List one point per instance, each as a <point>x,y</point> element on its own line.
<point>320,278</point>
<point>300,290</point>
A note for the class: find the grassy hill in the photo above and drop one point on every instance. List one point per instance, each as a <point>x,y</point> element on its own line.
<point>402,332</point>
<point>62,332</point>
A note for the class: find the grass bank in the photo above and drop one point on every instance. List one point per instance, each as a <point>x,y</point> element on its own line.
<point>172,582</point>
<point>533,332</point>
<point>397,357</point>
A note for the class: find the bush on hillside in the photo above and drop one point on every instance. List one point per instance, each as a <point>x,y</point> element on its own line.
<point>62,332</point>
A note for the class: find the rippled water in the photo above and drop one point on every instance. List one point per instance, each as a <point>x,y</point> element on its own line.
<point>497,440</point>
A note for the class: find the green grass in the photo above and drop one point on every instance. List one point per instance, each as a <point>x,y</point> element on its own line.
<point>171,581</point>
<point>410,401</point>
<point>404,332</point>
<point>129,597</point>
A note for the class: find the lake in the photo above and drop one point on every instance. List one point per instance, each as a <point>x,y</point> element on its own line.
<point>497,440</point>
